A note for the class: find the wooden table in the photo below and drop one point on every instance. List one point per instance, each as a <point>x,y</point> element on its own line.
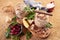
<point>55,19</point>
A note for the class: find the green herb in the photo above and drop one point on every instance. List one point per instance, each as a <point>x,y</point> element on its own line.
<point>48,25</point>
<point>31,13</point>
<point>14,18</point>
<point>8,33</point>
<point>28,35</point>
<point>15,38</point>
<point>14,22</point>
<point>27,9</point>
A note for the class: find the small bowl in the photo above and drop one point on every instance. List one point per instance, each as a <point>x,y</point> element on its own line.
<point>21,26</point>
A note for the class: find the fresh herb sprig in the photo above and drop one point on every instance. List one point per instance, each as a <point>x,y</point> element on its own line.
<point>8,33</point>
<point>30,12</point>
<point>14,22</point>
<point>28,35</point>
<point>48,25</point>
<point>15,37</point>
<point>8,29</point>
<point>31,15</point>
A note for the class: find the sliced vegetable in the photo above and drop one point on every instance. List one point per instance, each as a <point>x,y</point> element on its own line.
<point>25,23</point>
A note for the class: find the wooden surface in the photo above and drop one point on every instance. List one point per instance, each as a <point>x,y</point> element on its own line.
<point>55,19</point>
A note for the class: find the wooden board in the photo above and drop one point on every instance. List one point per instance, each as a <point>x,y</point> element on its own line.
<point>55,19</point>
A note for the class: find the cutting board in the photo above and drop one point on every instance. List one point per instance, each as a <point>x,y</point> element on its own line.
<point>55,19</point>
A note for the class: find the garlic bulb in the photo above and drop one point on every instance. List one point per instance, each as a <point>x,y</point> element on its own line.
<point>50,5</point>
<point>20,10</point>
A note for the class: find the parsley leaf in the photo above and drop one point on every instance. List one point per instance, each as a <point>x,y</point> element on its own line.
<point>14,22</point>
<point>48,25</point>
<point>28,35</point>
<point>31,13</point>
<point>15,37</point>
<point>27,9</point>
<point>14,18</point>
<point>8,33</point>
